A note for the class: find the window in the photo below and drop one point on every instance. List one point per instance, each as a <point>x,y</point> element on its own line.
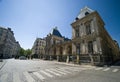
<point>35,48</point>
<point>54,42</point>
<point>1,31</point>
<point>86,13</point>
<point>36,44</point>
<point>78,49</point>
<point>77,32</point>
<point>88,29</point>
<point>76,18</point>
<point>90,47</point>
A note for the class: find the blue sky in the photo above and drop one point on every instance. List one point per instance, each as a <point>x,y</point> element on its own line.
<point>30,19</point>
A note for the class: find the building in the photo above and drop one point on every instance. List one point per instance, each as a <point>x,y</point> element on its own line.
<point>38,49</point>
<point>8,45</point>
<point>91,43</point>
<point>16,49</point>
<point>57,46</point>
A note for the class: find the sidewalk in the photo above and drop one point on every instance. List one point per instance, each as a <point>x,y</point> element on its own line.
<point>77,65</point>
<point>69,64</point>
<point>2,64</point>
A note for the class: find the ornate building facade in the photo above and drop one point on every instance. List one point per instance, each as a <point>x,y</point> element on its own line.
<point>9,47</point>
<point>57,46</point>
<point>90,43</point>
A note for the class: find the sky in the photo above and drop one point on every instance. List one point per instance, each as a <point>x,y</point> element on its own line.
<point>31,19</point>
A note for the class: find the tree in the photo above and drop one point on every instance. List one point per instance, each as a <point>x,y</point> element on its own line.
<point>28,52</point>
<point>22,52</point>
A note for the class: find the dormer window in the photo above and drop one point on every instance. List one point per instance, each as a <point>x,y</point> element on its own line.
<point>86,13</point>
<point>76,18</point>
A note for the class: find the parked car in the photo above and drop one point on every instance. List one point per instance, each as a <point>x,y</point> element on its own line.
<point>22,58</point>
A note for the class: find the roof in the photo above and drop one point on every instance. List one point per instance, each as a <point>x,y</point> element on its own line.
<point>84,12</point>
<point>66,39</point>
<point>56,32</point>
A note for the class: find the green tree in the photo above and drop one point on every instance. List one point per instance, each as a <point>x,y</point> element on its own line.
<point>28,52</point>
<point>22,52</point>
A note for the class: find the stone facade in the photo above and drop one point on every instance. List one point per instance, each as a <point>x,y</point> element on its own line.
<point>8,45</point>
<point>57,46</point>
<point>91,42</point>
<point>38,49</point>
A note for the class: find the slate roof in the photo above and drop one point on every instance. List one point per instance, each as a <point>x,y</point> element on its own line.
<point>56,32</point>
<point>66,39</point>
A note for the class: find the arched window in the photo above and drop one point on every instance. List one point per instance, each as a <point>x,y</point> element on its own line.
<point>76,18</point>
<point>86,13</point>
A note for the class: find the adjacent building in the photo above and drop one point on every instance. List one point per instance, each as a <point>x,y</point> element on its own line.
<point>9,47</point>
<point>38,49</point>
<point>57,46</point>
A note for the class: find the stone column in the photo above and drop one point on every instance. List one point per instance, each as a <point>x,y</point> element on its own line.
<point>91,58</point>
<point>86,47</point>
<point>92,26</point>
<point>95,47</point>
<point>58,58</point>
<point>95,25</point>
<point>84,29</point>
<point>50,57</point>
<point>99,45</point>
<point>73,32</point>
<point>67,60</point>
<point>78,59</point>
<point>73,49</point>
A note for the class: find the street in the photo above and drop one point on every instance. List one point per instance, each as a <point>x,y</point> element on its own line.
<point>16,70</point>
